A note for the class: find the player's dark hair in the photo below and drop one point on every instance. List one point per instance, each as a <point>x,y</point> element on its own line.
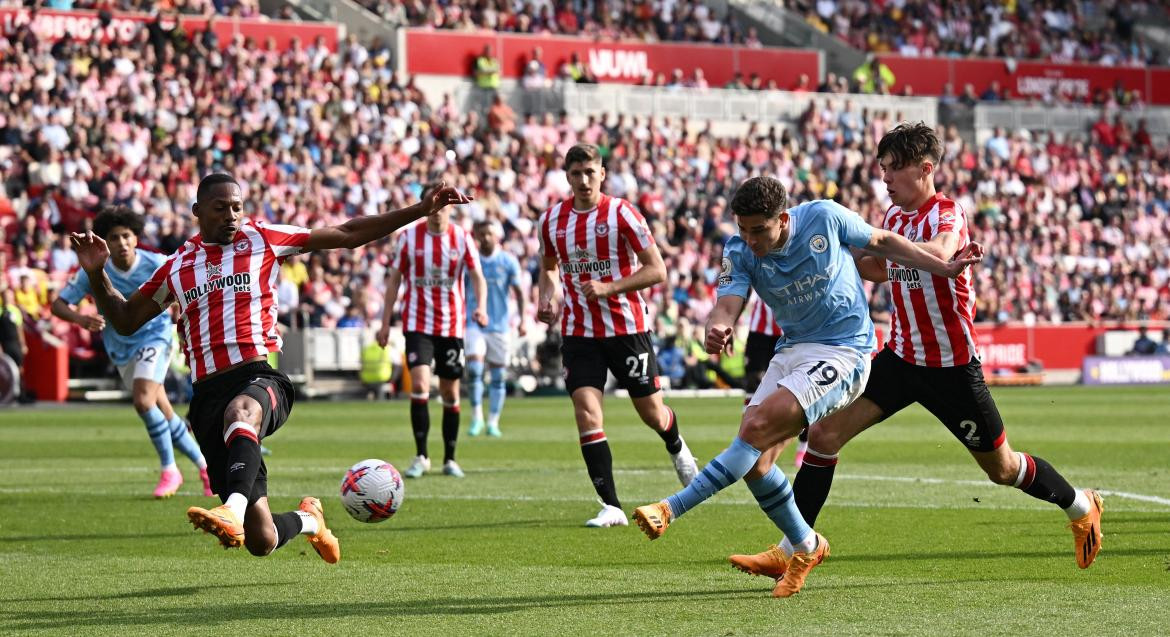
<point>908,143</point>
<point>587,153</point>
<point>211,181</point>
<point>760,196</point>
<point>111,217</point>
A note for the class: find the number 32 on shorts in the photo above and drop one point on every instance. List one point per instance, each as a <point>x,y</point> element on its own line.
<point>823,373</point>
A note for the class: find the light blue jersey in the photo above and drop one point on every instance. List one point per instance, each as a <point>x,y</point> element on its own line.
<point>811,283</point>
<point>122,348</point>
<point>501,271</point>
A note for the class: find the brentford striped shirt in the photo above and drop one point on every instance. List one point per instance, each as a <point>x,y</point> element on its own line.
<point>600,244</point>
<point>226,293</point>
<point>932,323</point>
<point>432,267</point>
<point>761,319</point>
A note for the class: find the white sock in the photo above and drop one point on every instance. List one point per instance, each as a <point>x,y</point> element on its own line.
<point>479,412</point>
<point>202,464</point>
<point>170,467</point>
<point>494,421</point>
<point>1079,508</point>
<point>807,545</point>
<point>238,503</point>
<point>308,523</point>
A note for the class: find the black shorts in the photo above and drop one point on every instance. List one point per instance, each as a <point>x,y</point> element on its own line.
<point>443,353</point>
<point>631,359</point>
<point>272,389</point>
<point>758,352</point>
<point>957,396</point>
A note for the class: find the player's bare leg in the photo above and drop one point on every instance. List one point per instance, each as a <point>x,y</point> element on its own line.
<point>1037,478</point>
<point>587,411</point>
<point>826,438</point>
<point>663,420</point>
<point>420,420</point>
<point>144,393</point>
<point>449,391</point>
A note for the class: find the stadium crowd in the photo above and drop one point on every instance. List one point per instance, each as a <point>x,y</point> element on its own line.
<point>1098,32</point>
<point>1076,228</point>
<point>638,20</point>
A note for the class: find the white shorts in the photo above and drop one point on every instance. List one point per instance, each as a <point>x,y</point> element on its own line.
<point>496,345</point>
<point>149,362</point>
<point>824,378</point>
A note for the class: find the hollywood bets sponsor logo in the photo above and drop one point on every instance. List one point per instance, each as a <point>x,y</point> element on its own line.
<point>435,278</point>
<point>239,282</point>
<point>582,261</point>
<point>911,278</point>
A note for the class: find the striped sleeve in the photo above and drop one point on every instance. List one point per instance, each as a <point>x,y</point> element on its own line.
<point>158,287</point>
<point>470,254</point>
<point>633,229</point>
<point>285,240</point>
<point>547,247</point>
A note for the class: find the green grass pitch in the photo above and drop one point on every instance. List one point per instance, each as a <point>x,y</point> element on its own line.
<point>921,542</point>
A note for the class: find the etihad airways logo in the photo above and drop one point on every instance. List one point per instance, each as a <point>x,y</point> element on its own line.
<point>239,282</point>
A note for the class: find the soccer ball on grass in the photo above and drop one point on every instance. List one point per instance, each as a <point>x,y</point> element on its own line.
<point>372,490</point>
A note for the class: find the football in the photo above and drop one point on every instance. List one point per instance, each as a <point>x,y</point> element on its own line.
<point>372,490</point>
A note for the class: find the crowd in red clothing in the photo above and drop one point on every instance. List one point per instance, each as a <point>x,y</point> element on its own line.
<point>1076,228</point>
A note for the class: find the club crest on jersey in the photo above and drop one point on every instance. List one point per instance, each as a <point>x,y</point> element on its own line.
<point>243,245</point>
<point>912,233</point>
<point>214,270</point>
<point>601,229</point>
<point>818,243</point>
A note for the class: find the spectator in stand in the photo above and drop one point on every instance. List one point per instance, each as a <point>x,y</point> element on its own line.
<point>535,72</point>
<point>1164,346</point>
<point>487,70</point>
<point>1144,345</point>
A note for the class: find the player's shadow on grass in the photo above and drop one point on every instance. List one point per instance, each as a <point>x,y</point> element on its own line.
<point>522,524</point>
<point>20,621</point>
<point>175,591</point>
<point>981,555</point>
<point>74,537</point>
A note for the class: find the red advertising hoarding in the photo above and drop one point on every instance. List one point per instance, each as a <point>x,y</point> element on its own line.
<point>449,53</point>
<point>124,27</point>
<point>1035,80</point>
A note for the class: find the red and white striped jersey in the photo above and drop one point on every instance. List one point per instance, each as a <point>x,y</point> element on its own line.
<point>432,267</point>
<point>600,244</point>
<point>932,323</point>
<point>226,293</point>
<point>761,319</point>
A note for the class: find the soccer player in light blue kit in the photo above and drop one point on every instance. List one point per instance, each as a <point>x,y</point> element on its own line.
<point>502,272</point>
<point>799,262</point>
<point>143,358</point>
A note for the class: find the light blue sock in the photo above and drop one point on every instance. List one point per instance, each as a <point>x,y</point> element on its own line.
<point>775,497</point>
<point>497,392</point>
<point>185,442</point>
<point>475,368</point>
<point>160,434</point>
<point>724,469</point>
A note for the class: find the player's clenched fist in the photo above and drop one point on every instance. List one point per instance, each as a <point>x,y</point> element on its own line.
<point>718,336</point>
<point>597,290</point>
<point>547,311</point>
<point>383,336</point>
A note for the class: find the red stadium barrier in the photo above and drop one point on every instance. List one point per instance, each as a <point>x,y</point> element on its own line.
<point>52,25</point>
<point>928,76</point>
<point>450,53</point>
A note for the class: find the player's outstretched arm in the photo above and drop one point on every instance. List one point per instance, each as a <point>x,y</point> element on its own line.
<point>721,322</point>
<point>362,230</point>
<point>125,315</point>
<point>897,248</point>
<point>62,310</point>
<point>652,271</point>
